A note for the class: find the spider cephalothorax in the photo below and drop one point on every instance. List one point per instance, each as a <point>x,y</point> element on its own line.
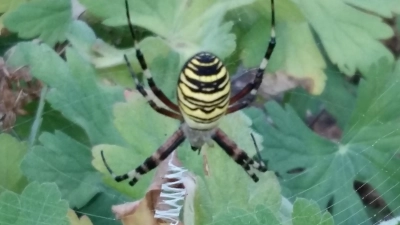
<point>204,97</point>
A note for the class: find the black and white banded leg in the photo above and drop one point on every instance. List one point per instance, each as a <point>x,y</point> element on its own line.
<point>146,71</point>
<point>151,162</point>
<point>238,155</point>
<point>149,99</point>
<point>253,86</point>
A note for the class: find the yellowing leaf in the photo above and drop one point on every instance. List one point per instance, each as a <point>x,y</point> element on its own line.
<point>11,154</point>
<point>6,6</point>
<point>306,63</point>
<point>74,220</point>
<point>296,53</point>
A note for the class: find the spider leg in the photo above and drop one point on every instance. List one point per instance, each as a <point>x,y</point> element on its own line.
<point>196,149</point>
<point>238,106</point>
<point>238,155</point>
<point>139,55</point>
<point>151,162</point>
<point>255,84</point>
<point>142,91</point>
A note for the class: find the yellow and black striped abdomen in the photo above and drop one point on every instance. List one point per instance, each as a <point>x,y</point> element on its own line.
<point>203,91</point>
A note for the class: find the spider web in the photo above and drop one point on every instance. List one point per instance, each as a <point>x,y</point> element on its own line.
<point>117,198</point>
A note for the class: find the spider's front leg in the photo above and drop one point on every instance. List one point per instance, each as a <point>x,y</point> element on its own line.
<point>151,162</point>
<point>239,155</point>
<point>175,113</point>
<point>252,87</point>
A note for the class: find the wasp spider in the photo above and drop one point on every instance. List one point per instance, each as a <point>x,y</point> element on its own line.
<point>203,99</point>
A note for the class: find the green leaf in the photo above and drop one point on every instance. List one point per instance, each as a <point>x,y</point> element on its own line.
<point>48,19</point>
<point>98,209</point>
<point>386,8</point>
<point>166,71</point>
<point>372,134</point>
<point>345,31</point>
<point>237,216</point>
<point>6,42</point>
<point>9,208</point>
<point>11,154</point>
<point>398,23</point>
<point>144,137</point>
<point>75,91</point>
<point>374,107</point>
<point>66,162</point>
<point>186,28</point>
<point>307,212</point>
<point>82,38</point>
<point>82,100</point>
<point>39,204</point>
<point>315,168</point>
<point>52,120</point>
<point>261,201</point>
<point>394,221</point>
<point>338,98</point>
<point>7,6</point>
<point>319,172</point>
<point>113,66</point>
<point>296,52</point>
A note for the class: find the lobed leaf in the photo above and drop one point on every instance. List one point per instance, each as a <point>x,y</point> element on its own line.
<point>52,120</point>
<point>59,158</point>
<point>144,136</point>
<point>40,204</point>
<point>307,212</point>
<point>66,162</point>
<point>186,28</point>
<point>11,154</point>
<point>338,98</point>
<point>384,8</point>
<point>345,31</point>
<point>74,91</point>
<point>48,19</point>
<point>237,216</point>
<point>6,7</point>
<point>315,168</point>
<point>296,52</point>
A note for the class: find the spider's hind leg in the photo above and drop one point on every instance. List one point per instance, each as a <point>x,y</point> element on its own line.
<point>238,155</point>
<point>151,162</point>
<point>260,164</point>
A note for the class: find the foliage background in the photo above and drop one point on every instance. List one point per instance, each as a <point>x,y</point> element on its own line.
<point>326,117</point>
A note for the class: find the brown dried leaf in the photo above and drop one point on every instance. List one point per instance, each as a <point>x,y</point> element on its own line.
<point>141,212</point>
<point>17,88</point>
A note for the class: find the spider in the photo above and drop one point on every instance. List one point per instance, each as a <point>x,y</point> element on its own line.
<point>204,97</point>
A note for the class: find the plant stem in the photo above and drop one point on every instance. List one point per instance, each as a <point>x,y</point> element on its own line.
<point>38,118</point>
